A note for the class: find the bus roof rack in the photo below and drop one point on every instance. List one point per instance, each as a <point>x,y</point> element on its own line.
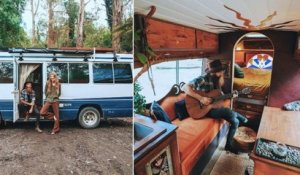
<point>46,50</point>
<point>96,49</point>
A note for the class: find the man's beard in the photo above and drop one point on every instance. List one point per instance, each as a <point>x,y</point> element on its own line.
<point>218,81</point>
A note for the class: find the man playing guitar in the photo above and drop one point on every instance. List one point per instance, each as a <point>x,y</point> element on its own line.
<point>214,80</point>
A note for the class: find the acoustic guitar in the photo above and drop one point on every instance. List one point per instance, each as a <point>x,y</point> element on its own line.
<point>198,110</point>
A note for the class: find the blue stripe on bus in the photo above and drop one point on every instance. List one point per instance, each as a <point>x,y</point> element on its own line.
<point>6,56</point>
<point>111,107</point>
<point>69,110</point>
<point>6,109</point>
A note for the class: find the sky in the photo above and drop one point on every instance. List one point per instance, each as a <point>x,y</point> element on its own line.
<point>42,13</point>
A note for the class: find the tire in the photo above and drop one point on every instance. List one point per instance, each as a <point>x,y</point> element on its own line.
<point>89,117</point>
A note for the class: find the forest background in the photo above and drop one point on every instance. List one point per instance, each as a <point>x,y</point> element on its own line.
<point>66,23</point>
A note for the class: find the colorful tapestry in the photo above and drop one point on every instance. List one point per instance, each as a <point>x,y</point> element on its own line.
<point>260,61</point>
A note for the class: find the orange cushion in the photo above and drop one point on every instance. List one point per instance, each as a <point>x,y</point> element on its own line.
<point>168,105</point>
<point>193,137</point>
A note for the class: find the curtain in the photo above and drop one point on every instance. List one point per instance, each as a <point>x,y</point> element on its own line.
<point>25,71</point>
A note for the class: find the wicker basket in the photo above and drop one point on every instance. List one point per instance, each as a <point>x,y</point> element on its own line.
<point>244,138</point>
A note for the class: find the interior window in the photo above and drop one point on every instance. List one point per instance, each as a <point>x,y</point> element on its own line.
<point>167,74</point>
<point>122,73</point>
<point>102,73</point>
<point>61,69</point>
<point>79,73</point>
<point>190,69</point>
<point>6,72</point>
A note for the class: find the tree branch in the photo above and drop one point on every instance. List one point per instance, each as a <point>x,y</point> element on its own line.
<point>37,7</point>
<point>87,2</point>
<point>143,70</point>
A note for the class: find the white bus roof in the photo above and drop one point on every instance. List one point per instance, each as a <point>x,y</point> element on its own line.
<point>63,55</point>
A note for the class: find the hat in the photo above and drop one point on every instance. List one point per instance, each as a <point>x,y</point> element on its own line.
<point>215,66</point>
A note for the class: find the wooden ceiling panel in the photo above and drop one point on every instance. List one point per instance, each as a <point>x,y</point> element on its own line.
<point>213,16</point>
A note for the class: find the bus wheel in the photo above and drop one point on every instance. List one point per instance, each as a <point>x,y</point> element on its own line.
<point>89,117</point>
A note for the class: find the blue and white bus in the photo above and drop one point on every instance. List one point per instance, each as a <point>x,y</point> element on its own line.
<point>94,86</point>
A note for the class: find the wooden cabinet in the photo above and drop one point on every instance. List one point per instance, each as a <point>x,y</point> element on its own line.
<point>250,106</point>
<point>206,40</point>
<point>161,155</point>
<point>278,126</point>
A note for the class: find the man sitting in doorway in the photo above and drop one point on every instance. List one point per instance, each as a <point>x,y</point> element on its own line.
<point>27,105</point>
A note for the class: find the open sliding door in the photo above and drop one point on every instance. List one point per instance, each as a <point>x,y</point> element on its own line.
<point>16,91</point>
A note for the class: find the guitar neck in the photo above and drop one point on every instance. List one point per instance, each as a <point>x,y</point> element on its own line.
<point>222,97</point>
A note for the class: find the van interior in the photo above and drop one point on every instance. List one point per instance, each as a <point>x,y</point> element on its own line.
<point>33,73</point>
<point>258,42</point>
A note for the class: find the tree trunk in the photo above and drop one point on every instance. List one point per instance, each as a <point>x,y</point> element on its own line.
<point>117,19</point>
<point>79,41</point>
<point>33,15</point>
<point>108,7</point>
<point>51,32</point>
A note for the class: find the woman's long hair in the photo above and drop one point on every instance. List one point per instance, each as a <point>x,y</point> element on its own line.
<point>55,82</point>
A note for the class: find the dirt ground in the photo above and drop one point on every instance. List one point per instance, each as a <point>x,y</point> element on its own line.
<point>104,150</point>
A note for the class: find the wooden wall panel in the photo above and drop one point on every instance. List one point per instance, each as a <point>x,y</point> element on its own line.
<point>240,57</point>
<point>206,40</point>
<point>163,35</point>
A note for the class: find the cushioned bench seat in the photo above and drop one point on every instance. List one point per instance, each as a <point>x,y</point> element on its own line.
<point>193,136</point>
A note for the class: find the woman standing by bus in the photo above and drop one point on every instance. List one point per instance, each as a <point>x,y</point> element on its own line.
<point>52,92</point>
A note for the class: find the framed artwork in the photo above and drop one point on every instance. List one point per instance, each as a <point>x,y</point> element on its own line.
<point>227,64</point>
<point>161,164</point>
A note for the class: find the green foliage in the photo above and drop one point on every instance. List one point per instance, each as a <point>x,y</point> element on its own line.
<point>72,9</point>
<point>11,34</point>
<point>96,37</point>
<point>143,53</point>
<point>142,57</point>
<point>65,26</point>
<point>126,30</point>
<point>139,99</point>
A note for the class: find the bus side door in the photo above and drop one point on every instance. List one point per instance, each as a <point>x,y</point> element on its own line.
<point>16,91</point>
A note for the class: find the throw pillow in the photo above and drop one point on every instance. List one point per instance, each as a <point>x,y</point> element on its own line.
<point>180,110</point>
<point>159,113</point>
<point>292,106</point>
<point>238,72</point>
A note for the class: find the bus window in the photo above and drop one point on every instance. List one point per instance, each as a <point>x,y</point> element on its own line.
<point>166,74</point>
<point>102,73</point>
<point>79,73</point>
<point>122,73</point>
<point>61,69</point>
<point>6,72</point>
